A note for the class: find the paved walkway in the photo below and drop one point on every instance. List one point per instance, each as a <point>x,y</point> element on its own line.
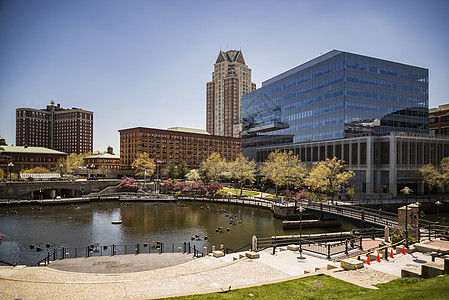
<point>178,275</point>
<point>120,263</point>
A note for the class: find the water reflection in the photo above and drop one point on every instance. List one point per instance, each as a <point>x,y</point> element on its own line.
<point>90,223</point>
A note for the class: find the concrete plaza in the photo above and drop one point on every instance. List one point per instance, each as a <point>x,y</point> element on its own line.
<point>148,276</point>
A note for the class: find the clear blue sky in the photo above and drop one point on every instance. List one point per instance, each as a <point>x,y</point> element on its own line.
<point>146,63</point>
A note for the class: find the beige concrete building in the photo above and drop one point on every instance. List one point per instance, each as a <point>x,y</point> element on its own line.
<point>231,79</point>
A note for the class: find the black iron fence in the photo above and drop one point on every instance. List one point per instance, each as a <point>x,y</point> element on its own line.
<point>324,244</point>
<point>138,248</point>
<point>243,248</point>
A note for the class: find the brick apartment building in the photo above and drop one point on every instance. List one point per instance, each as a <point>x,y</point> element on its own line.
<point>66,130</point>
<point>181,145</point>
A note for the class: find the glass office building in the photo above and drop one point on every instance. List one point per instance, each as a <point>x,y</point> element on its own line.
<point>338,95</point>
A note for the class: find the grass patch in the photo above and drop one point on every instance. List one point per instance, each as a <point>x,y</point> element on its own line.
<point>326,287</point>
<point>237,192</point>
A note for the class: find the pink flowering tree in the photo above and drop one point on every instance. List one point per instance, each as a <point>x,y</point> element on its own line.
<point>128,185</point>
<point>213,189</point>
<point>198,188</point>
<point>302,195</point>
<point>179,186</point>
<point>167,186</point>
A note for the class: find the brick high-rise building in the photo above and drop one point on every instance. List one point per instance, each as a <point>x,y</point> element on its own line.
<point>231,79</point>
<point>66,130</point>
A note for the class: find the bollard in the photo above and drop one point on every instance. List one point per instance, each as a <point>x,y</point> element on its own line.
<point>136,251</point>
<point>67,255</point>
<point>158,250</point>
<point>179,249</point>
<point>213,248</point>
<point>221,247</point>
<point>91,253</point>
<point>204,251</point>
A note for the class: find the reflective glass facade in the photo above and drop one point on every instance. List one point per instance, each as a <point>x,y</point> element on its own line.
<point>337,95</point>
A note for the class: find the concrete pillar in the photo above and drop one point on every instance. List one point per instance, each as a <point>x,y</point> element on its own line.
<point>254,243</point>
<point>387,234</point>
<point>412,219</point>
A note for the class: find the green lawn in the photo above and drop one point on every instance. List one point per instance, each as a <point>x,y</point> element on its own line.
<point>237,192</point>
<point>326,287</point>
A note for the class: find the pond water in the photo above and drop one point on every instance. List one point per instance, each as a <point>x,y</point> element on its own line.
<point>142,222</point>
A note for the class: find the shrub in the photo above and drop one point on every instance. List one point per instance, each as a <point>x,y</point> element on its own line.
<point>396,238</point>
<point>287,193</point>
<point>213,188</point>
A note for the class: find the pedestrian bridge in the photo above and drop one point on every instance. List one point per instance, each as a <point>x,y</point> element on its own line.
<point>50,189</point>
<point>356,215</point>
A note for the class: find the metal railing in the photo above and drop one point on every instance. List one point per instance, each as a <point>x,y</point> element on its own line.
<point>243,248</point>
<point>111,250</point>
<point>325,244</point>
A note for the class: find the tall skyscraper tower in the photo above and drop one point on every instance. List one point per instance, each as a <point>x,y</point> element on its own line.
<point>231,79</point>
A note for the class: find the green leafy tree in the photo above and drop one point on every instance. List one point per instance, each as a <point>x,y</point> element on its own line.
<point>444,164</point>
<point>38,170</point>
<point>431,177</point>
<point>241,169</point>
<point>143,163</point>
<point>329,176</point>
<point>183,169</point>
<point>171,170</point>
<point>283,169</point>
<point>76,160</point>
<point>212,167</point>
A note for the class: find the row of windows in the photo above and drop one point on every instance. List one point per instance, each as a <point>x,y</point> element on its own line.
<point>386,84</point>
<point>436,119</point>
<point>422,77</point>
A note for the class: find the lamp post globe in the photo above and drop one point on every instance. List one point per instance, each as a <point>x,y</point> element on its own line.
<point>10,165</point>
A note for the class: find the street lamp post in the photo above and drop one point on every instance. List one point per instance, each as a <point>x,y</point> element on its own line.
<point>438,203</point>
<point>92,166</point>
<point>406,192</point>
<point>301,210</point>
<point>10,165</point>
<point>157,175</point>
